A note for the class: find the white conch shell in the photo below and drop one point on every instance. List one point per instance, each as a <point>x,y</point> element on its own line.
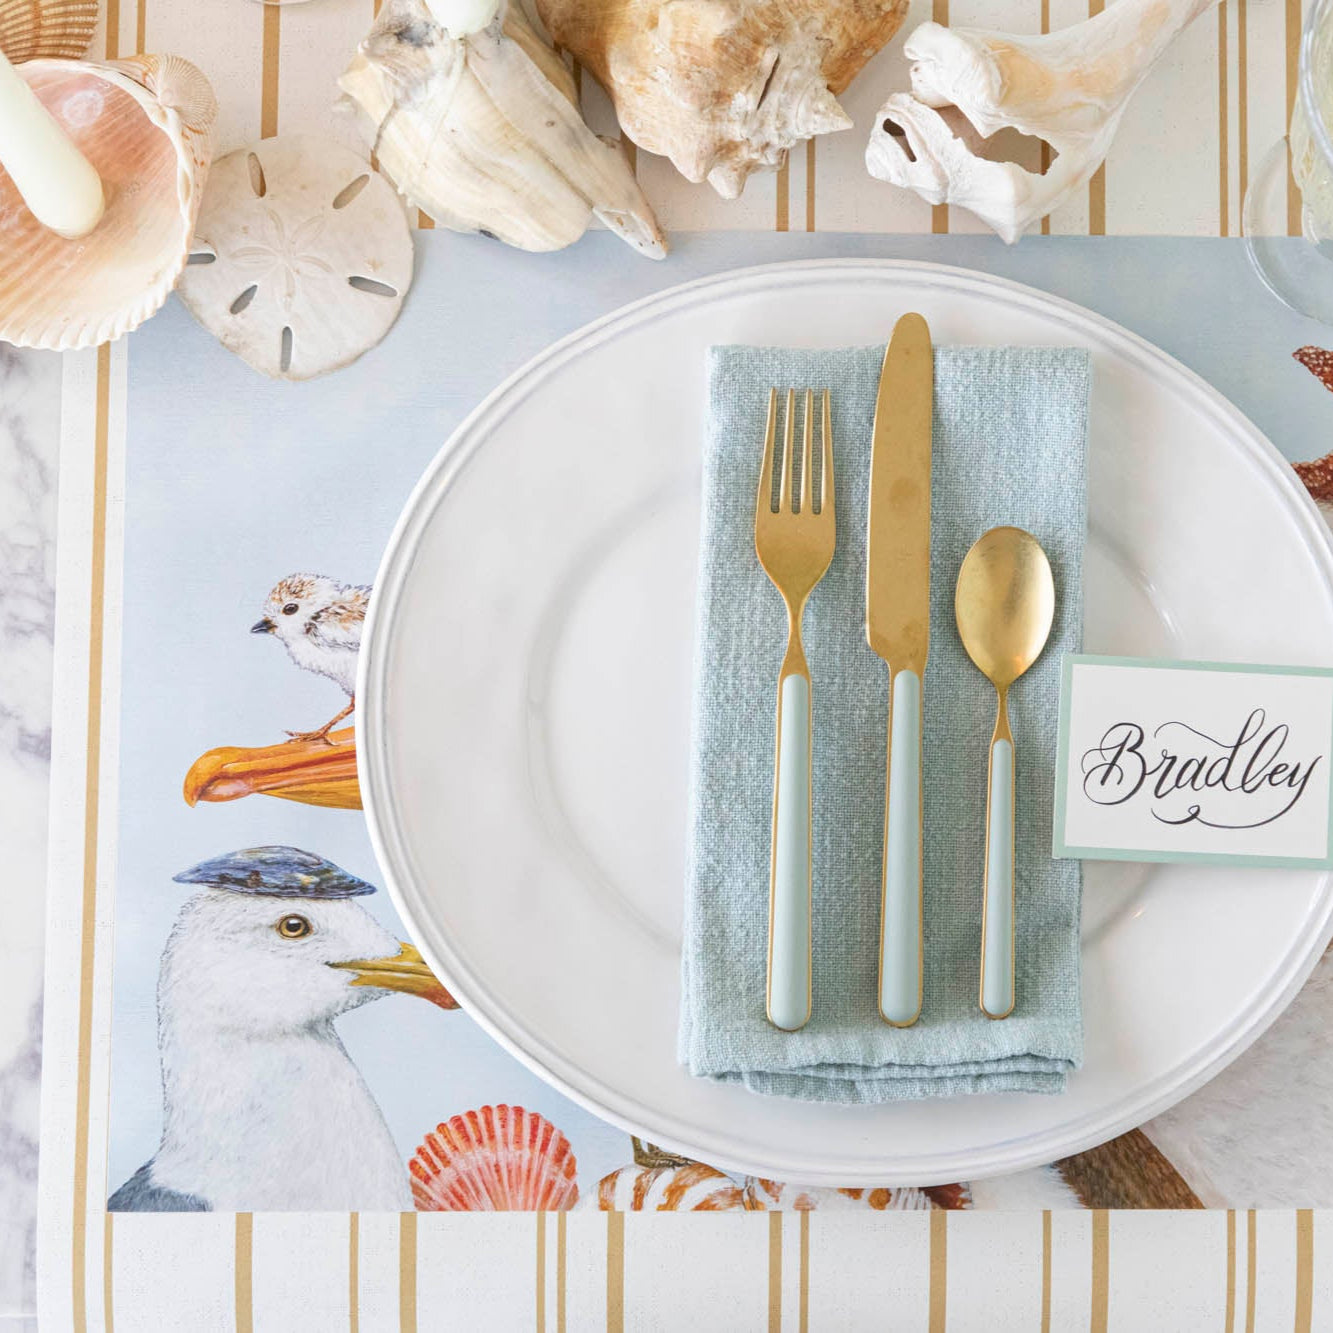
<point>145,125</point>
<point>484,134</point>
<point>33,29</point>
<point>723,87</point>
<point>307,253</point>
<point>1069,88</point>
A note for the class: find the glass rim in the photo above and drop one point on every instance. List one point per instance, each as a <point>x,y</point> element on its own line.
<point>1322,11</point>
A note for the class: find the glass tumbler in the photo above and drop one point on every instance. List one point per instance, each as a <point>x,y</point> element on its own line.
<point>1299,270</point>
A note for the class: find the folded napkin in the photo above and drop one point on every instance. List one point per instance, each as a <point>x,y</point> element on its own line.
<point>1009,448</point>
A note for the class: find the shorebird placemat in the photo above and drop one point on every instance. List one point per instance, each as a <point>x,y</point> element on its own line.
<point>235,1132</point>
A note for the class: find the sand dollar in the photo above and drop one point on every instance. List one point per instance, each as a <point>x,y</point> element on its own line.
<point>302,256</point>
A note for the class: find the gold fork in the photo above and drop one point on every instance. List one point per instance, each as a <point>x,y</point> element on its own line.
<point>794,536</point>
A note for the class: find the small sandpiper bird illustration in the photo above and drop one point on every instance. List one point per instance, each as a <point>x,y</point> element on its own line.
<point>262,1106</point>
<point>319,621</point>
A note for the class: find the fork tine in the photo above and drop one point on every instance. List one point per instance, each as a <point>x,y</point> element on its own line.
<point>787,432</point>
<point>764,503</point>
<point>807,449</point>
<point>826,471</point>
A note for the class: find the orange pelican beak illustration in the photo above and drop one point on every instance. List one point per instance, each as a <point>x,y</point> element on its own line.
<point>319,772</point>
<point>404,971</point>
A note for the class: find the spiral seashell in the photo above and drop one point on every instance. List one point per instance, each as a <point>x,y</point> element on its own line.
<point>691,1188</point>
<point>496,1159</point>
<point>33,29</point>
<point>770,1196</point>
<point>145,125</point>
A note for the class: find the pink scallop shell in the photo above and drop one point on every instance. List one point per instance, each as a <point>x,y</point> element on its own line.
<point>145,125</point>
<point>496,1159</point>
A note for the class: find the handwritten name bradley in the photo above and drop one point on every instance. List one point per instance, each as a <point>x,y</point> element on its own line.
<point>1251,770</point>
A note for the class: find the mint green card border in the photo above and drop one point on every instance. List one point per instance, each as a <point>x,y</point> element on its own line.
<point>1062,851</point>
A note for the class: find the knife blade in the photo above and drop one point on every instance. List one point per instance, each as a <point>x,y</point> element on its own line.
<point>898,630</point>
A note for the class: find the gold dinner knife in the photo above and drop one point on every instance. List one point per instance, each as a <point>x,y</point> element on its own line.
<point>898,629</point>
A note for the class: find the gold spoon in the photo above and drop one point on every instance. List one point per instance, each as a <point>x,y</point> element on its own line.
<point>1004,604</point>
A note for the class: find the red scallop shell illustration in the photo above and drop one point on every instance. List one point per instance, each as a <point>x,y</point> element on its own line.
<point>495,1159</point>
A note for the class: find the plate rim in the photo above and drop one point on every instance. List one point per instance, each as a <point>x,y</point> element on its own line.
<point>402,880</point>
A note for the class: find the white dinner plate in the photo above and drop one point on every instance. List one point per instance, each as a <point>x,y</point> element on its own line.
<point>525,711</point>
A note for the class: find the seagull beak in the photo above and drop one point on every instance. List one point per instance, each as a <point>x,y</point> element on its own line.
<point>265,626</point>
<point>405,971</point>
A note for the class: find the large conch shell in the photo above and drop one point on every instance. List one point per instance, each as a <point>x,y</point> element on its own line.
<point>31,29</point>
<point>145,125</point>
<point>723,87</point>
<point>1068,88</point>
<point>483,133</point>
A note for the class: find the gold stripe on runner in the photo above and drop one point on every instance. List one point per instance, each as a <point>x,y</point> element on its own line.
<point>781,194</point>
<point>1223,116</point>
<point>113,29</point>
<point>1097,185</point>
<point>1045,147</point>
<point>939,1269</point>
<point>939,213</point>
<point>353,1272</point>
<point>1101,1265</point>
<point>560,1273</point>
<point>775,1273</point>
<point>92,781</point>
<point>108,1270</point>
<point>270,53</point>
<point>1251,1267</point>
<point>407,1273</point>
<point>1046,1271</point>
<point>541,1272</point>
<point>1304,1269</point>
<point>245,1290</point>
<point>615,1272</point>
<point>1293,77</point>
<point>1230,1325</point>
<point>1242,99</point>
<point>805,1272</point>
<point>809,189</point>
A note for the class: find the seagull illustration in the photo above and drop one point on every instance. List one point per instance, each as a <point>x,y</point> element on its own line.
<point>319,621</point>
<point>262,1106</point>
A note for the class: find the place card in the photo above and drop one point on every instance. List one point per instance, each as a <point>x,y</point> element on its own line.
<point>1194,761</point>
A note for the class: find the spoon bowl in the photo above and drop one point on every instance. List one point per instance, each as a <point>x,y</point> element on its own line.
<point>1004,604</point>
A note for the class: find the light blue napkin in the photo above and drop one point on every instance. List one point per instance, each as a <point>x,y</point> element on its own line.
<point>1009,448</point>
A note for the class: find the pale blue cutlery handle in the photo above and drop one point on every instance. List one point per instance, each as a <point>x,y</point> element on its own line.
<point>997,942</point>
<point>900,961</point>
<point>789,907</point>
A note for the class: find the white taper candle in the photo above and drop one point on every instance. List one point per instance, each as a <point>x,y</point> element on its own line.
<point>461,17</point>
<point>56,181</point>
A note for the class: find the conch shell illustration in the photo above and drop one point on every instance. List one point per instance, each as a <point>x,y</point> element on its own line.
<point>724,87</point>
<point>482,131</point>
<point>143,125</point>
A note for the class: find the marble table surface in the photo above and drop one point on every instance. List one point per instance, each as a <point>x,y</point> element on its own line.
<point>1244,1140</point>
<point>29,445</point>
